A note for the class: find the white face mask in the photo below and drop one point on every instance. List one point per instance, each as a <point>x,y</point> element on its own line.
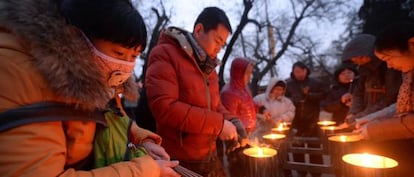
<point>116,71</point>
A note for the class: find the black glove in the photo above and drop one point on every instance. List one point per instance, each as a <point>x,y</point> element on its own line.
<point>241,131</point>
<point>241,138</point>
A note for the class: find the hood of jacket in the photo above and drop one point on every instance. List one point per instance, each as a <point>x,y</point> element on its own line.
<point>361,45</point>
<point>237,72</point>
<point>270,86</point>
<point>59,52</point>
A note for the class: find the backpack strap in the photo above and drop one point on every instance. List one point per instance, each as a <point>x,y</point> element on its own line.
<point>46,112</point>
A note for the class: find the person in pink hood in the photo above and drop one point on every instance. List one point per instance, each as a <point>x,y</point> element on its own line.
<point>236,95</point>
<point>237,99</point>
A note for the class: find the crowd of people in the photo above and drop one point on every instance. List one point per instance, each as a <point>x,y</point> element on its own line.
<point>65,63</point>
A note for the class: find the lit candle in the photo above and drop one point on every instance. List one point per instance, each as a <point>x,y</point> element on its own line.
<point>329,129</point>
<point>274,136</point>
<point>260,152</point>
<point>345,138</point>
<point>260,161</point>
<point>282,127</point>
<point>326,123</point>
<point>342,138</point>
<point>332,128</point>
<point>369,161</point>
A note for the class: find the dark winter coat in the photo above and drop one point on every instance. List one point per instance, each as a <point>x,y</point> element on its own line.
<point>332,103</point>
<point>377,88</point>
<point>307,106</point>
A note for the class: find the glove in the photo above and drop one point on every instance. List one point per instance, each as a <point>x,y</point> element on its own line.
<point>241,139</point>
<point>241,131</point>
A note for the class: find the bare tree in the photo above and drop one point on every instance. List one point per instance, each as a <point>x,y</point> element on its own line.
<point>248,4</point>
<point>161,21</point>
<point>292,37</point>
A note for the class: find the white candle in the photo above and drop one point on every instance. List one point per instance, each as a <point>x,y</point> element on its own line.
<point>326,123</point>
<point>260,152</point>
<point>345,138</point>
<point>369,160</point>
<point>274,136</point>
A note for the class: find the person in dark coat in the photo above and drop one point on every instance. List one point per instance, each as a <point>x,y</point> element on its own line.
<point>377,86</point>
<point>339,98</point>
<point>306,94</point>
<point>392,128</point>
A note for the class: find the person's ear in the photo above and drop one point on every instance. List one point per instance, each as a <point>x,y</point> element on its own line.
<point>199,28</point>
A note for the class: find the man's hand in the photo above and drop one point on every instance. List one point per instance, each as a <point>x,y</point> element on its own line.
<point>229,131</point>
<point>166,168</point>
<point>346,99</point>
<point>305,90</point>
<point>155,151</point>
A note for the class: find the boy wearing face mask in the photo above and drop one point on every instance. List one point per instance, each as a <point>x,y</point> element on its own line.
<point>61,60</point>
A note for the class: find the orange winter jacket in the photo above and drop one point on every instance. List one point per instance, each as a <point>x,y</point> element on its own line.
<point>44,59</point>
<point>184,101</point>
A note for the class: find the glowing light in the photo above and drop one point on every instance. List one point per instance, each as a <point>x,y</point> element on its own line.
<point>369,160</point>
<point>329,128</point>
<point>326,123</point>
<point>260,152</point>
<point>346,138</point>
<point>281,127</point>
<point>274,136</point>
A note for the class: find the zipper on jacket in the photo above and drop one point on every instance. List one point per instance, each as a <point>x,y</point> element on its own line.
<point>207,91</point>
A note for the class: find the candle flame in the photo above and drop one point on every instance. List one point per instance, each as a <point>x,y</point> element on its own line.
<point>280,126</point>
<point>370,161</point>
<point>326,123</point>
<point>273,136</point>
<point>260,152</point>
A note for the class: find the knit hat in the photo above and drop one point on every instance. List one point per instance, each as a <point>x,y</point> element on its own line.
<point>361,45</point>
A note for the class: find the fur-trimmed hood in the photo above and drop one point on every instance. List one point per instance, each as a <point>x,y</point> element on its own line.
<point>59,52</point>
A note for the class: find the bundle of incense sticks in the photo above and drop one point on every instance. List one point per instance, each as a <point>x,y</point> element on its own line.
<point>185,172</point>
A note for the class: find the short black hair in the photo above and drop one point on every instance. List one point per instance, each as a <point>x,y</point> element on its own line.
<point>302,66</point>
<point>116,21</point>
<point>343,67</point>
<point>211,17</point>
<point>279,84</point>
<point>395,36</point>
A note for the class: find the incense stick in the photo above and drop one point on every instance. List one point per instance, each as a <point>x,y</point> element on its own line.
<point>186,172</point>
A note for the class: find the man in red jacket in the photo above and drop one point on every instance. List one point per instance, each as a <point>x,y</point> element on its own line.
<point>183,92</point>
